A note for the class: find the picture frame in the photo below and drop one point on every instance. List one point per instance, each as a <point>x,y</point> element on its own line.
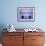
<point>26,14</point>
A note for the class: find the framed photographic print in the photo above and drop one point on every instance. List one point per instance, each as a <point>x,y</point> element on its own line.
<point>25,14</point>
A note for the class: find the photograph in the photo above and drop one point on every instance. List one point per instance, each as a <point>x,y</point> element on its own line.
<point>26,14</point>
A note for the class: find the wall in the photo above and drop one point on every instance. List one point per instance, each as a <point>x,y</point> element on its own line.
<point>8,13</point>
